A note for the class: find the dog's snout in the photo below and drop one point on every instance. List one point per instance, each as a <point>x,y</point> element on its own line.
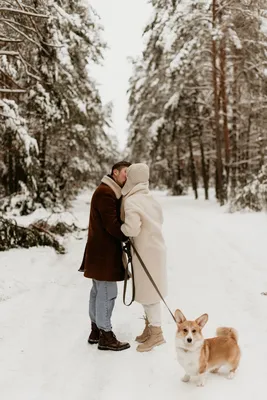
<point>189,339</point>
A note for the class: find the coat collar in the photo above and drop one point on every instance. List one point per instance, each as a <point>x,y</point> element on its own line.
<point>113,185</point>
<point>142,187</point>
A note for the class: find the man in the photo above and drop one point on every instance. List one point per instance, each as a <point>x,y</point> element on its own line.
<point>103,257</point>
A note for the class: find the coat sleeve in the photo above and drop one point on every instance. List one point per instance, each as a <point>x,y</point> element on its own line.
<point>132,220</point>
<point>107,207</point>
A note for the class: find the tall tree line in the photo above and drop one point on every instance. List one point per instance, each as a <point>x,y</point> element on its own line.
<point>198,99</point>
<point>53,126</point>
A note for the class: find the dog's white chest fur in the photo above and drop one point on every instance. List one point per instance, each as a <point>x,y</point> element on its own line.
<point>189,360</point>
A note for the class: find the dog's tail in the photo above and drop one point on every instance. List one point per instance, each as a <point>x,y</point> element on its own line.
<point>227,332</point>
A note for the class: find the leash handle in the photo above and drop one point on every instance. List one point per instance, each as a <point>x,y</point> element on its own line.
<point>150,277</point>
<point>127,250</point>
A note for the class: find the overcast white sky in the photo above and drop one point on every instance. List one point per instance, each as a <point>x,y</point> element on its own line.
<point>123,21</point>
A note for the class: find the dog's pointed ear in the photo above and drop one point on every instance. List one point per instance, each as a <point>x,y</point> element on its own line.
<point>201,321</point>
<point>179,316</point>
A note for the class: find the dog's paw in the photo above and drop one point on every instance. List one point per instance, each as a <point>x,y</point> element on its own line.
<point>201,380</point>
<point>185,378</point>
<point>231,375</point>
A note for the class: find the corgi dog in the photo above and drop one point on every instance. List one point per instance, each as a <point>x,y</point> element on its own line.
<point>197,355</point>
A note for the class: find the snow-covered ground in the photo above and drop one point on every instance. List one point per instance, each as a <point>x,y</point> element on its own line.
<point>217,263</point>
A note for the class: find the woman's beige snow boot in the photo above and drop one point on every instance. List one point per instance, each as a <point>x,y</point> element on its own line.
<point>155,339</point>
<point>145,334</point>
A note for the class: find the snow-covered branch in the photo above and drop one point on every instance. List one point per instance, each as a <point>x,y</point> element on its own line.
<point>22,12</point>
<point>12,91</point>
<point>8,53</point>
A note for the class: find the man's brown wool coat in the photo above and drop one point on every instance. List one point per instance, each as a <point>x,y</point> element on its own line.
<point>103,254</point>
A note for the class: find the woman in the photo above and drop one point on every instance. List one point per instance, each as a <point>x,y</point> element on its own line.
<point>143,219</point>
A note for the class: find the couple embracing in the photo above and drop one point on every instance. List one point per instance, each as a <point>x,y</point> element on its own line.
<point>122,207</point>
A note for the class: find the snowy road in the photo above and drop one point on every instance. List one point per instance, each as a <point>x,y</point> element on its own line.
<point>217,264</point>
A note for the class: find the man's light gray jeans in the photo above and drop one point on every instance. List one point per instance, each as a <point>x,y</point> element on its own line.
<point>101,303</point>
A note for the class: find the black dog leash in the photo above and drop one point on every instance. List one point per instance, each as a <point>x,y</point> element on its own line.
<point>126,246</point>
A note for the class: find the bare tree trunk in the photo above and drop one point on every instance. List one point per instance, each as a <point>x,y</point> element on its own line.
<point>179,170</point>
<point>224,107</point>
<point>234,133</point>
<point>219,167</point>
<point>204,167</point>
<point>175,161</point>
<point>177,188</point>
<point>192,168</point>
